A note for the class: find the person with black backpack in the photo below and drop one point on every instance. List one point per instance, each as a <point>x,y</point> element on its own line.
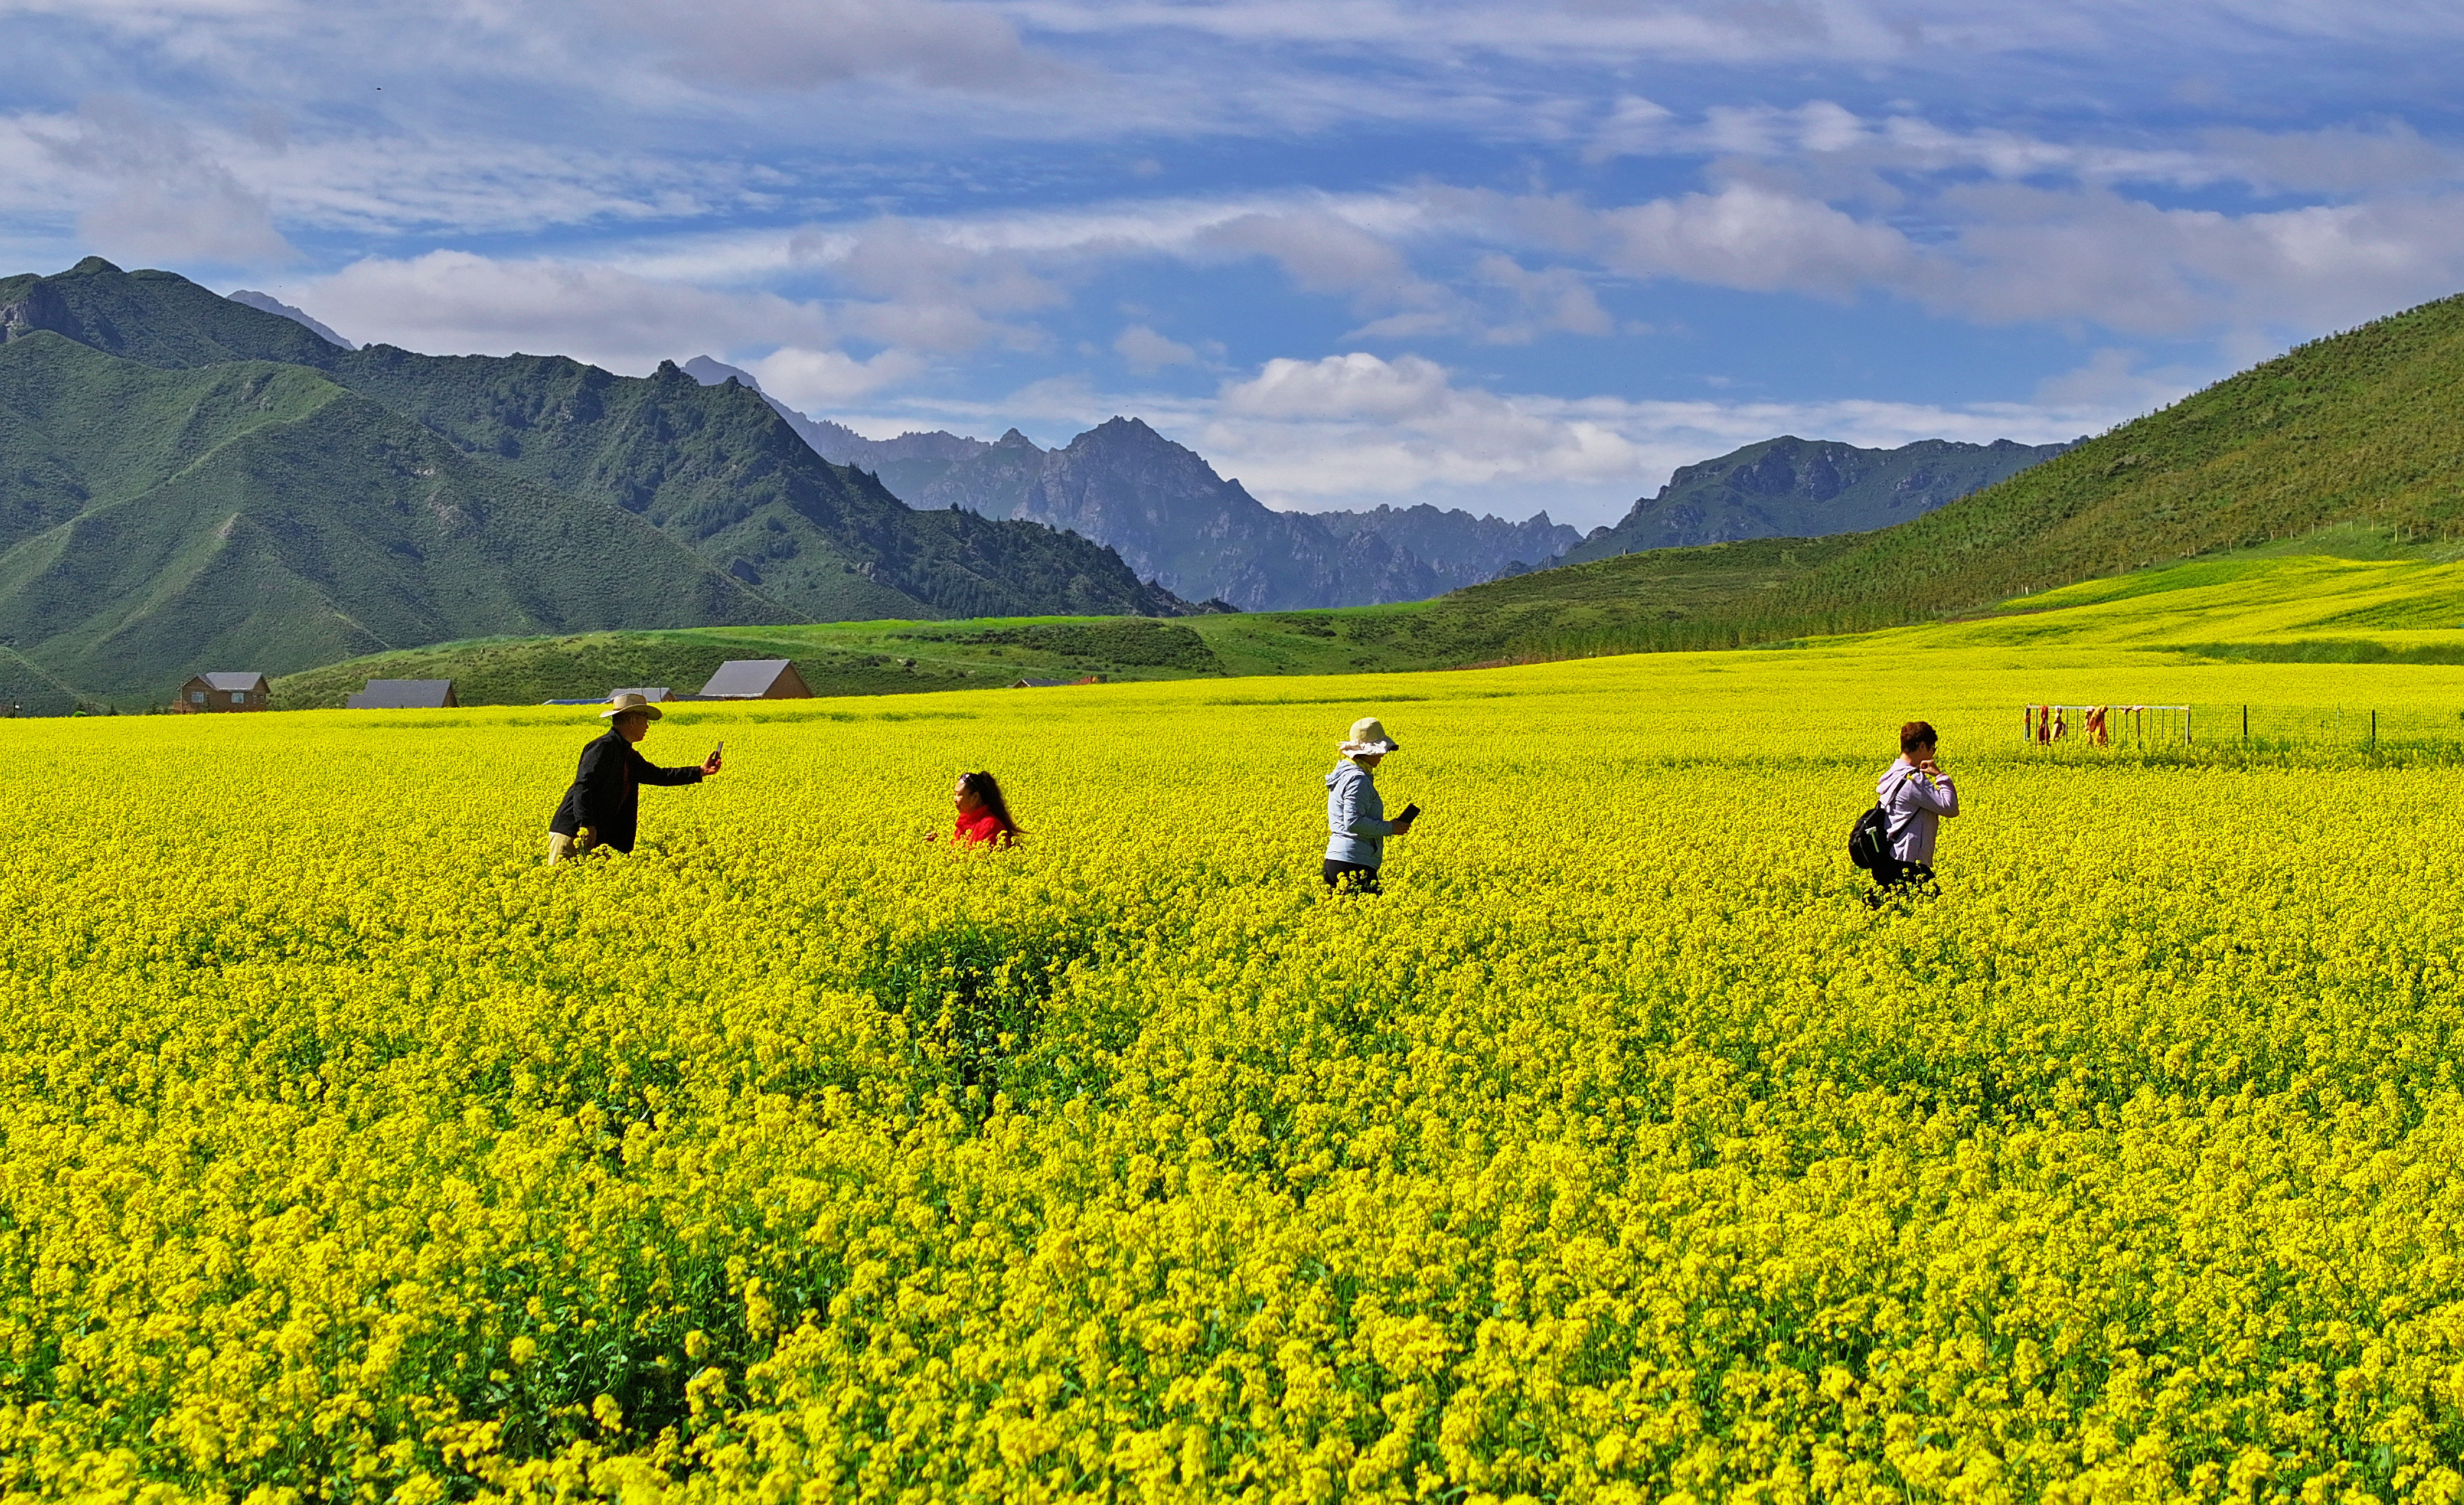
<point>1894,841</point>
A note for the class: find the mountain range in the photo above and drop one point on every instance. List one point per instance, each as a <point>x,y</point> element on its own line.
<point>198,483</point>
<point>201,482</point>
<point>1177,522</point>
<point>2342,447</point>
<point>1792,488</point>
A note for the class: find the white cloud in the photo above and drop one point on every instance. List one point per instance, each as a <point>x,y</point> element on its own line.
<point>2113,381</point>
<point>1556,298</point>
<point>1336,387</point>
<point>801,44</point>
<point>1148,352</point>
<point>1750,237</point>
<point>1324,251</point>
<point>456,303</point>
<point>2025,254</point>
<point>154,194</point>
<point>814,380</point>
<point>928,290</point>
<point>1355,431</point>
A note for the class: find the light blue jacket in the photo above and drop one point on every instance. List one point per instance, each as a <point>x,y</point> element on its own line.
<point>1357,826</point>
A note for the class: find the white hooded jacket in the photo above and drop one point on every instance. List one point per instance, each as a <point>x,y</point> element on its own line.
<point>1915,804</point>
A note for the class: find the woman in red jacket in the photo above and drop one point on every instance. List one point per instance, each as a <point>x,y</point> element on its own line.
<point>983,815</point>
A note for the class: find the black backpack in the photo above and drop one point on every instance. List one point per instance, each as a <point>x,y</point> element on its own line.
<point>1869,840</point>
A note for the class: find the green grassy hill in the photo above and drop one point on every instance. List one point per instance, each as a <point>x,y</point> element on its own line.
<point>260,516</point>
<point>847,658</point>
<point>1518,618</point>
<point>195,484</point>
<point>2364,428</point>
<point>2357,435</point>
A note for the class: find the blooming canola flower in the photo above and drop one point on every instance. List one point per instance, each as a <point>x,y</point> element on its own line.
<point>1616,1152</point>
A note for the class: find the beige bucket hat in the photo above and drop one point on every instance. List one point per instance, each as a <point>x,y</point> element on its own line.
<point>1369,736</point>
<point>630,701</point>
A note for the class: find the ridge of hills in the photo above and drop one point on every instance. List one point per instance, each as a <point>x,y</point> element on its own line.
<point>1174,520</point>
<point>1792,488</point>
<point>541,480</point>
<point>2348,446</point>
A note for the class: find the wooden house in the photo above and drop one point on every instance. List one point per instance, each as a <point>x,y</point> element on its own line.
<point>756,679</point>
<point>222,691</point>
<point>405,695</point>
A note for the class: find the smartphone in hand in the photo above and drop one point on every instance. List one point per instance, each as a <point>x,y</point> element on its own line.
<point>1408,814</point>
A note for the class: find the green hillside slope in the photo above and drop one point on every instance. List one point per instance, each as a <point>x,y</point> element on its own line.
<point>80,430</point>
<point>716,467</point>
<point>2361,428</point>
<point>2344,594</point>
<point>158,319</point>
<point>867,658</point>
<point>2357,431</point>
<point>260,516</point>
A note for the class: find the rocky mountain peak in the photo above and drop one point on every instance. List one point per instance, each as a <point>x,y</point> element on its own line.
<point>268,303</point>
<point>1794,488</point>
<point>718,373</point>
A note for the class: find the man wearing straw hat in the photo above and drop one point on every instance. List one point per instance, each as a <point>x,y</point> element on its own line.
<point>1355,816</point>
<point>604,805</point>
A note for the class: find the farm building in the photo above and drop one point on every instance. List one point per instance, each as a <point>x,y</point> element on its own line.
<point>405,695</point>
<point>222,691</point>
<point>1054,684</point>
<point>656,694</point>
<point>756,679</point>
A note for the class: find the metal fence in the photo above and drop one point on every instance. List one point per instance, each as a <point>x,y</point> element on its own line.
<point>2252,727</point>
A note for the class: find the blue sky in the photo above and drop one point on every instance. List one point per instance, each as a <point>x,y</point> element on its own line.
<point>1354,251</point>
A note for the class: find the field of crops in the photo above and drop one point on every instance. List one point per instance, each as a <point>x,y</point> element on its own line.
<point>1617,1152</point>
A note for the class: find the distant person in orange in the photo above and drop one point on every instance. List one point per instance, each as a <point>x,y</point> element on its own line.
<point>603,807</point>
<point>983,814</point>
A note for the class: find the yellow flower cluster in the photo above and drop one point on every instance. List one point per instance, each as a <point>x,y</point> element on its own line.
<point>1618,1152</point>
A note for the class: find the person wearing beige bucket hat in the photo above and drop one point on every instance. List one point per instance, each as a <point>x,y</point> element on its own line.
<point>603,808</point>
<point>1355,814</point>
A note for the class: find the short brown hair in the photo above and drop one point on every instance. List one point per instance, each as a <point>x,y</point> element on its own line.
<point>1916,735</point>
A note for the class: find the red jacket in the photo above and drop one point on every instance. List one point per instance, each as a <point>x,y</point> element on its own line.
<point>981,826</point>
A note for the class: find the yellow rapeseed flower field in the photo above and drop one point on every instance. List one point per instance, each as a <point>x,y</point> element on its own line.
<point>1618,1152</point>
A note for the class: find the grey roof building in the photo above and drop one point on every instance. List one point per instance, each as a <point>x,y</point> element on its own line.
<point>654,693</point>
<point>756,679</point>
<point>405,695</point>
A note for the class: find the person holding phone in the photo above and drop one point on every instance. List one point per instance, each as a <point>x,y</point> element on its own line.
<point>1916,796</point>
<point>1355,814</point>
<point>603,807</point>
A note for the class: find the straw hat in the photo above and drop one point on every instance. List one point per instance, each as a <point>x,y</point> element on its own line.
<point>630,701</point>
<point>1369,736</point>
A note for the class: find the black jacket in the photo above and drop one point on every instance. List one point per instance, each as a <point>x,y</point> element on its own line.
<point>606,791</point>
